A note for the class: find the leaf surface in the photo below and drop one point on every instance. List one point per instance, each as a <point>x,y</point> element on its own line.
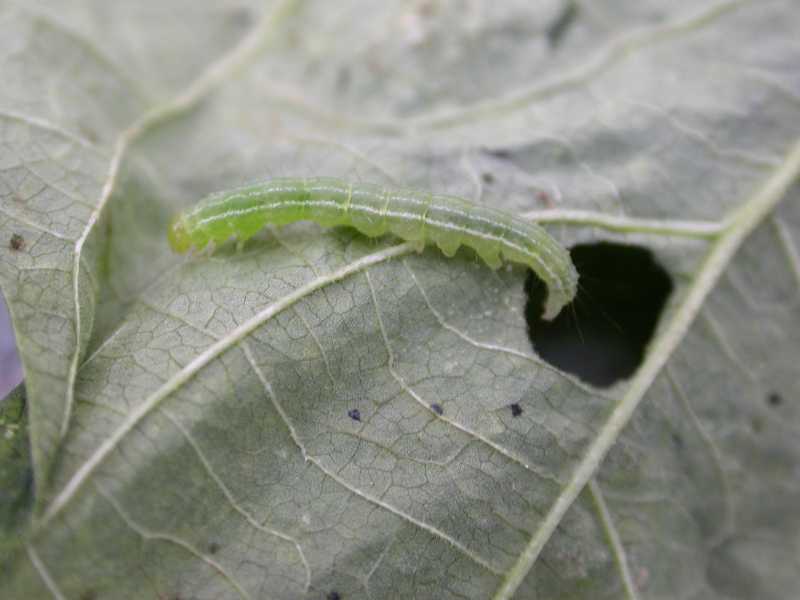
<point>190,420</point>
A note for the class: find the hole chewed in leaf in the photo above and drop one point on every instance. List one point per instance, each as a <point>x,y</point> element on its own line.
<point>602,336</point>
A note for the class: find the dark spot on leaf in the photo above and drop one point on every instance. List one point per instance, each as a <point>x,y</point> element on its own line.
<point>677,440</point>
<point>556,31</point>
<point>17,242</point>
<point>498,153</point>
<point>516,410</point>
<point>487,178</point>
<point>354,414</point>
<point>544,198</point>
<point>601,337</point>
<point>334,595</point>
<point>437,408</point>
<point>774,399</point>
<point>213,547</point>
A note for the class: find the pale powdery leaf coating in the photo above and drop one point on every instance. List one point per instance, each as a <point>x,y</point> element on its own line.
<point>211,451</point>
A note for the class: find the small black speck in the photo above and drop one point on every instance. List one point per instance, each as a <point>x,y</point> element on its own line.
<point>487,178</point>
<point>334,596</point>
<point>437,408</point>
<point>17,242</point>
<point>774,399</point>
<point>213,548</point>
<point>354,414</point>
<point>516,410</point>
<point>498,153</point>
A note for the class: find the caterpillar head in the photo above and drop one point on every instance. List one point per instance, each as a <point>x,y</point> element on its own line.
<point>178,237</point>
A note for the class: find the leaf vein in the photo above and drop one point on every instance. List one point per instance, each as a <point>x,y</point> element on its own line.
<point>149,535</point>
<point>87,469</point>
<point>617,549</point>
<point>751,213</point>
<point>415,396</point>
<point>230,498</point>
<point>42,571</point>
<point>354,490</point>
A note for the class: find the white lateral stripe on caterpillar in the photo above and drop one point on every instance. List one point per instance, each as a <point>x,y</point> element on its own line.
<point>423,217</point>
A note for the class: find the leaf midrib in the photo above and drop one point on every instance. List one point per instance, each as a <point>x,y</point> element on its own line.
<point>740,224</point>
<point>75,483</point>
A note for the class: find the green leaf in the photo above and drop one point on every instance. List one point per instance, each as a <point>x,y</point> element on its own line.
<point>16,473</point>
<point>188,418</point>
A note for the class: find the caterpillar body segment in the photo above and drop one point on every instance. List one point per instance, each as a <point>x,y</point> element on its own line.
<point>416,216</point>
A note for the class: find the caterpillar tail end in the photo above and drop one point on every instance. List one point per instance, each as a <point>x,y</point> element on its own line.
<point>178,237</point>
<point>561,295</point>
<point>553,305</point>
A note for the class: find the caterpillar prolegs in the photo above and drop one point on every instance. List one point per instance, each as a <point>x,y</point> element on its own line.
<point>416,216</point>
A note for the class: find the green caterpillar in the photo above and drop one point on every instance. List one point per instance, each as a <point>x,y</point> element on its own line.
<point>374,210</point>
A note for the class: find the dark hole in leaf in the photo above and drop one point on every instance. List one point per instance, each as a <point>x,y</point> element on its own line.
<point>213,547</point>
<point>774,399</point>
<point>333,596</point>
<point>354,414</point>
<point>601,337</point>
<point>437,408</point>
<point>516,410</point>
